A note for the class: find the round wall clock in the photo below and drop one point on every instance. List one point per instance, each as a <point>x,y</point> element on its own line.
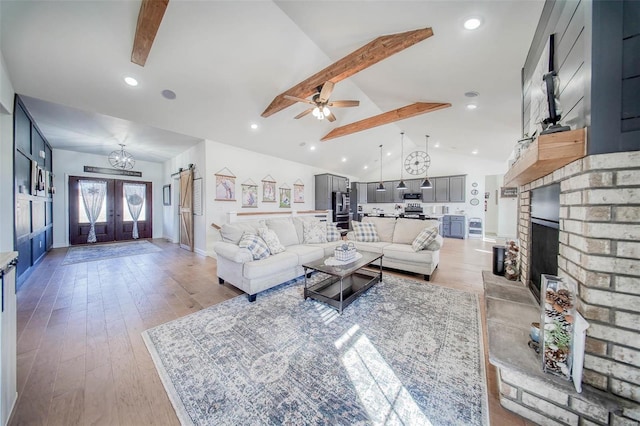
<point>417,162</point>
<point>474,202</point>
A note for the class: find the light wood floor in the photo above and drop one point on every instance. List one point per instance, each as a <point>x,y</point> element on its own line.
<point>81,357</point>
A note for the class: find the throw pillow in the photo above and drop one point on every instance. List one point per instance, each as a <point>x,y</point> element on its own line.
<point>314,232</point>
<point>426,236</point>
<point>271,238</point>
<point>365,232</point>
<point>333,233</point>
<point>435,244</point>
<point>255,244</point>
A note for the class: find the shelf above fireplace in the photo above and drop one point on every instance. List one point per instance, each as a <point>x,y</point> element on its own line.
<point>547,154</point>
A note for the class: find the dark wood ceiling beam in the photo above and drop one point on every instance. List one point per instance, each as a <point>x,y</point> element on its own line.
<point>149,19</point>
<point>369,54</point>
<point>385,118</point>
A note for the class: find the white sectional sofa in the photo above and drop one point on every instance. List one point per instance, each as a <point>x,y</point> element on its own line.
<point>237,266</point>
<point>396,237</point>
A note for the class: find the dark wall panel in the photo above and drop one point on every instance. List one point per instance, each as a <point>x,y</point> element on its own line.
<point>37,215</point>
<point>630,59</point>
<point>24,256</point>
<point>631,22</point>
<point>38,247</point>
<point>22,174</point>
<point>22,133</point>
<point>23,217</point>
<point>37,145</point>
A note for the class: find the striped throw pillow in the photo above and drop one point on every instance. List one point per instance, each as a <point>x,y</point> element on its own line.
<point>255,244</point>
<point>365,232</point>
<point>424,238</point>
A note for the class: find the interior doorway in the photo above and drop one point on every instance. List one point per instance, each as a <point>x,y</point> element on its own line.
<point>121,210</point>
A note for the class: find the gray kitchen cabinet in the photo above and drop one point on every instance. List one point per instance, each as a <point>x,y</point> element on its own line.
<point>428,194</point>
<point>362,193</point>
<point>371,192</point>
<point>413,185</point>
<point>395,196</point>
<point>454,226</point>
<point>325,185</point>
<point>381,196</point>
<point>457,189</point>
<point>339,183</point>
<point>441,189</point>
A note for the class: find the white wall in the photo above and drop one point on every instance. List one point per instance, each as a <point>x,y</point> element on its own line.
<point>502,213</point>
<point>491,215</point>
<point>70,163</point>
<point>6,159</point>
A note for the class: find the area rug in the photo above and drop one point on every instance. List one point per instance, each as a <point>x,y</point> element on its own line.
<point>106,251</point>
<point>405,352</point>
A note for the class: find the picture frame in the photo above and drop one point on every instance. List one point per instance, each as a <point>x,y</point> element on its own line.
<point>268,191</point>
<point>285,198</point>
<point>298,193</point>
<point>225,188</point>
<point>166,195</point>
<point>249,195</point>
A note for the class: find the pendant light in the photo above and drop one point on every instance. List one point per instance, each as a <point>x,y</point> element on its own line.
<point>401,186</point>
<point>426,183</point>
<point>121,159</point>
<point>380,186</point>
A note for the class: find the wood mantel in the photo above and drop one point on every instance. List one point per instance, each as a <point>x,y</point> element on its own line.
<point>547,154</point>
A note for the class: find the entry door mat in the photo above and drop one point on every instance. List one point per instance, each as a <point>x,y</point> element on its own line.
<point>405,352</point>
<point>107,251</point>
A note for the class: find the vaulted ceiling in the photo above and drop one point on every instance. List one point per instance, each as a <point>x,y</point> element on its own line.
<point>227,60</point>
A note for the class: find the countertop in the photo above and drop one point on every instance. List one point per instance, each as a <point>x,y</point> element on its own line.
<point>426,216</point>
<point>6,258</point>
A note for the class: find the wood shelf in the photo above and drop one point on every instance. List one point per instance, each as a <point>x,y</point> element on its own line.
<point>547,154</point>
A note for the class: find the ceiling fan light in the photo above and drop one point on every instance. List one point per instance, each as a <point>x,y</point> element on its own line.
<point>401,186</point>
<point>326,111</point>
<point>320,116</point>
<point>380,187</point>
<point>316,112</point>
<point>425,184</point>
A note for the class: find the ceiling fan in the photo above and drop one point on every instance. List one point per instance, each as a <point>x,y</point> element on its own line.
<point>320,102</point>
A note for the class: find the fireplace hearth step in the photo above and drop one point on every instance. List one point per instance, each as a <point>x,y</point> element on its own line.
<point>524,388</point>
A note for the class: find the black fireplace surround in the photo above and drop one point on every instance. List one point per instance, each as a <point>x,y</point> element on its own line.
<point>545,224</point>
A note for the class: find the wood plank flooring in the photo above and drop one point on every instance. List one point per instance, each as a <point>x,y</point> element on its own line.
<point>81,357</point>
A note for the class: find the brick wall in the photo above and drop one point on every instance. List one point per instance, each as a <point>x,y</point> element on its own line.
<point>600,249</point>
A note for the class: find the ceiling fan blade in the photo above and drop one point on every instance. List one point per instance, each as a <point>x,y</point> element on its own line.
<point>293,98</point>
<point>344,104</point>
<point>331,117</point>
<point>325,93</point>
<point>303,113</point>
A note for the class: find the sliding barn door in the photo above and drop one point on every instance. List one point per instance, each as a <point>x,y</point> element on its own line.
<point>186,209</point>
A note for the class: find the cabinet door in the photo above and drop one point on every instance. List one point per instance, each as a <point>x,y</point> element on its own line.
<point>429,195</point>
<point>441,188</point>
<point>395,196</point>
<point>371,192</point>
<point>457,189</point>
<point>362,193</point>
<point>457,228</point>
<point>323,192</point>
<point>338,184</point>
<point>413,185</point>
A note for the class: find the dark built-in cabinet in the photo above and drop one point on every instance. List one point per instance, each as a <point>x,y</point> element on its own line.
<point>326,184</point>
<point>33,208</point>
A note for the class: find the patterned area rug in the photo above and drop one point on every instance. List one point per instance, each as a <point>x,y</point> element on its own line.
<point>405,352</point>
<point>106,251</point>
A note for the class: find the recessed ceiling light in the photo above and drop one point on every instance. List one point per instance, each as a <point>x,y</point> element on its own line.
<point>475,151</point>
<point>344,159</point>
<point>254,126</point>
<point>472,23</point>
<point>365,167</point>
<point>437,145</point>
<point>169,94</point>
<point>131,81</point>
<point>312,148</point>
<point>472,106</point>
<point>388,154</point>
<point>471,94</point>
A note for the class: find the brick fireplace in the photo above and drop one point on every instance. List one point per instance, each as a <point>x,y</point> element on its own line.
<point>599,248</point>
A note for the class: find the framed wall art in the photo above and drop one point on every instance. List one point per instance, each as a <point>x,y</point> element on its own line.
<point>166,195</point>
<point>298,191</point>
<point>285,196</point>
<point>225,185</point>
<point>268,189</point>
<point>249,194</point>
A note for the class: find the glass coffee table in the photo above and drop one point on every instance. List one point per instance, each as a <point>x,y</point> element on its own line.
<point>345,282</point>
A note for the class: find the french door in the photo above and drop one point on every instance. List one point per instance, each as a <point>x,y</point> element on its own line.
<point>115,219</point>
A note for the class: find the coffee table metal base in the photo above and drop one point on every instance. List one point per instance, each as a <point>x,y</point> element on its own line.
<point>339,292</point>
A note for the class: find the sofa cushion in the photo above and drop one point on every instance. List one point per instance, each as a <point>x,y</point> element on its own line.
<point>232,232</point>
<point>404,253</point>
<point>408,229</point>
<point>365,232</point>
<point>285,230</point>
<point>376,247</point>
<point>255,244</point>
<point>314,232</point>
<point>424,238</point>
<point>271,238</point>
<point>306,254</point>
<point>333,233</point>
<point>384,226</point>
<point>232,252</point>
<point>272,265</point>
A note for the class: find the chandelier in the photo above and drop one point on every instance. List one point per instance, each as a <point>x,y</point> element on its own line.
<point>121,159</point>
